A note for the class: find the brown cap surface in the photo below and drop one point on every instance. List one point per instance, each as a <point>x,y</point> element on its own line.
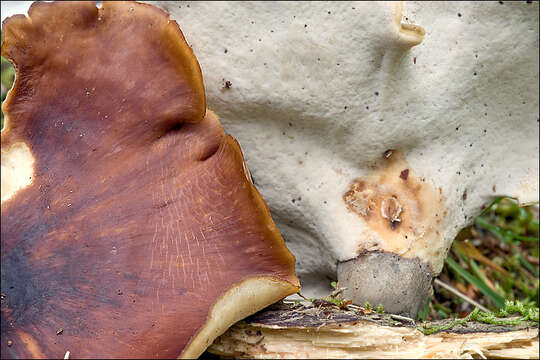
<point>139,221</point>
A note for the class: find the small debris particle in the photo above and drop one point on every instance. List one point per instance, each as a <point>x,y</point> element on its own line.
<point>225,51</point>
<point>329,12</point>
<point>345,107</point>
<point>376,93</point>
<point>391,209</point>
<point>414,60</point>
<point>293,201</point>
<point>494,188</point>
<point>459,14</point>
<point>9,343</point>
<point>475,73</point>
<point>120,292</point>
<point>501,2</point>
<point>228,84</point>
<point>388,153</point>
<point>290,124</point>
<point>59,331</point>
<point>404,174</point>
<point>464,196</point>
<point>367,107</point>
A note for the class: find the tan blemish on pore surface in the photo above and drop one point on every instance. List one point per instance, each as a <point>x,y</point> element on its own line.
<point>401,208</point>
<point>410,34</point>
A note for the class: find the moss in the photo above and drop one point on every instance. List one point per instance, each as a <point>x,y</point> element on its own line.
<point>432,329</point>
<point>529,313</point>
<point>368,306</point>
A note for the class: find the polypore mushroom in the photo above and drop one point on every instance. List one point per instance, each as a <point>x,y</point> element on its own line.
<point>370,151</point>
<point>130,227</point>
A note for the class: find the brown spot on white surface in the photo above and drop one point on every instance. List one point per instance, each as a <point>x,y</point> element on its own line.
<point>404,174</point>
<point>403,214</point>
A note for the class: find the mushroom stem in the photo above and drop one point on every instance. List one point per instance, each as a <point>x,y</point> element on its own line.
<point>401,285</point>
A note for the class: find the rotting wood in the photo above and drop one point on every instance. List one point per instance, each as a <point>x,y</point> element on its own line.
<point>298,331</point>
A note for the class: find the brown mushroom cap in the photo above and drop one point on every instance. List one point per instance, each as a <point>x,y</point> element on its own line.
<point>139,233</point>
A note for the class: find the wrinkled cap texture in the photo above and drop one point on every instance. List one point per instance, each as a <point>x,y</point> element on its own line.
<point>130,227</point>
<point>374,126</point>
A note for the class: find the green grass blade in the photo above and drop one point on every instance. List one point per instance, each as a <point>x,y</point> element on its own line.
<point>501,236</point>
<point>493,229</point>
<point>491,205</point>
<point>480,285</point>
<point>526,238</point>
<point>478,273</point>
<point>533,269</point>
<point>533,226</point>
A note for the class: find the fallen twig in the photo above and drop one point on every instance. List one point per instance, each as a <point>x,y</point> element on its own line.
<point>456,292</point>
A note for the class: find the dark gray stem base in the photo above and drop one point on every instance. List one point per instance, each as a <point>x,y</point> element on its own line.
<point>401,285</point>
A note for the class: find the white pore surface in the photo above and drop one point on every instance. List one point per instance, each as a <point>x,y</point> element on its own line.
<point>9,8</point>
<point>302,103</point>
